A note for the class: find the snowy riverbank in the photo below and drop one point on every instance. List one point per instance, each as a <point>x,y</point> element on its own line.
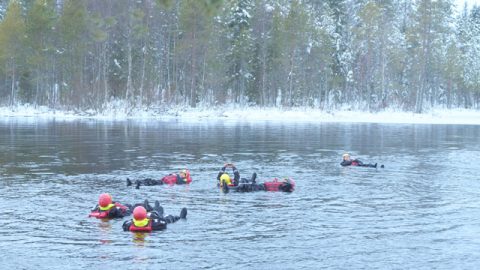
<point>437,116</point>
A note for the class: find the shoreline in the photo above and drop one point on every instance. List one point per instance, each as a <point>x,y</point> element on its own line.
<point>291,115</point>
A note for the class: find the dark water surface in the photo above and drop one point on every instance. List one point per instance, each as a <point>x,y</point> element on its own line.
<point>421,212</point>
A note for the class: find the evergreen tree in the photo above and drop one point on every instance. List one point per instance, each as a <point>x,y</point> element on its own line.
<point>276,60</point>
<point>369,50</point>
<point>368,54</point>
<point>240,73</point>
<point>40,21</point>
<point>472,59</point>
<point>192,49</point>
<point>342,56</point>
<point>70,85</point>
<point>321,49</point>
<point>428,39</point>
<point>102,24</point>
<point>12,46</point>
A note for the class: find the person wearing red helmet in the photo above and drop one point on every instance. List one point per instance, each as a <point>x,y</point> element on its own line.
<point>180,178</point>
<point>144,221</point>
<point>107,208</point>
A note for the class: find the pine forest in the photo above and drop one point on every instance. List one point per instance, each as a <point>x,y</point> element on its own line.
<point>368,55</point>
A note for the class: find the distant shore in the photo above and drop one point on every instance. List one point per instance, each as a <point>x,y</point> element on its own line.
<point>293,115</point>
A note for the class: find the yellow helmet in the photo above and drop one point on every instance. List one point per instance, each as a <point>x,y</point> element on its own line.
<point>346,155</point>
<point>225,178</point>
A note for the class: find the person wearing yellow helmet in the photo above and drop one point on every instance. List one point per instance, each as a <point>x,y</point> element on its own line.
<point>348,161</point>
<point>224,177</point>
<point>226,183</point>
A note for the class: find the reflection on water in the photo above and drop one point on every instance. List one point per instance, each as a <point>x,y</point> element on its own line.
<point>139,238</point>
<point>420,212</point>
<point>105,231</point>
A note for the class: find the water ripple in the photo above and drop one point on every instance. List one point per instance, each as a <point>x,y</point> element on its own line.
<point>420,212</point>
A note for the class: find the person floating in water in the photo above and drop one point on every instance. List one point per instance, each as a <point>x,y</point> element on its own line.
<point>249,185</point>
<point>180,178</point>
<point>348,161</point>
<point>225,182</point>
<point>285,184</point>
<point>224,178</point>
<point>107,208</point>
<point>147,221</point>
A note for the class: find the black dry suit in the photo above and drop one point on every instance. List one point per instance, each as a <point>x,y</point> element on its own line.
<point>246,185</point>
<point>153,182</point>
<point>357,162</point>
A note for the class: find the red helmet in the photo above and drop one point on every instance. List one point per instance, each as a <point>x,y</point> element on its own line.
<point>139,213</point>
<point>105,199</point>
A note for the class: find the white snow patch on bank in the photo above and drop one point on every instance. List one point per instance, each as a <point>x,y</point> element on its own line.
<point>438,116</point>
<point>117,112</point>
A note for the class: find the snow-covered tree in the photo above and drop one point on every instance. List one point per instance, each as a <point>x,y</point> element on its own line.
<point>239,55</point>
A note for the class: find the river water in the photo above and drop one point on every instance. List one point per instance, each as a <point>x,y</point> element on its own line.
<point>421,211</point>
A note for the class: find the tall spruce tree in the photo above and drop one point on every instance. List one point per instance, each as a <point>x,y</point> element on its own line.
<point>70,87</point>
<point>240,73</point>
<point>40,22</point>
<point>342,55</point>
<point>191,49</point>
<point>12,47</point>
<point>369,49</point>
<point>472,59</point>
<point>427,37</point>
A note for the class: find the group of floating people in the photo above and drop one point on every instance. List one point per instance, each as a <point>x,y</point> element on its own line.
<point>226,181</point>
<point>147,218</point>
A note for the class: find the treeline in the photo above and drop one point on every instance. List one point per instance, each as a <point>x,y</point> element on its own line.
<point>364,54</point>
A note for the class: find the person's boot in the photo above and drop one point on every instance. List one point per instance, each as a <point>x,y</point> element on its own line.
<point>254,177</point>
<point>183,213</point>
<point>129,182</point>
<point>375,166</point>
<point>137,184</point>
<point>147,205</point>
<point>158,208</point>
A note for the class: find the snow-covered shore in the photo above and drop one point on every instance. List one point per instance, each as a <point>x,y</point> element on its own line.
<point>436,116</point>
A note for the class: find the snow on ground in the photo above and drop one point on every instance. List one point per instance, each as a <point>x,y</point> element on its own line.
<point>118,113</point>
